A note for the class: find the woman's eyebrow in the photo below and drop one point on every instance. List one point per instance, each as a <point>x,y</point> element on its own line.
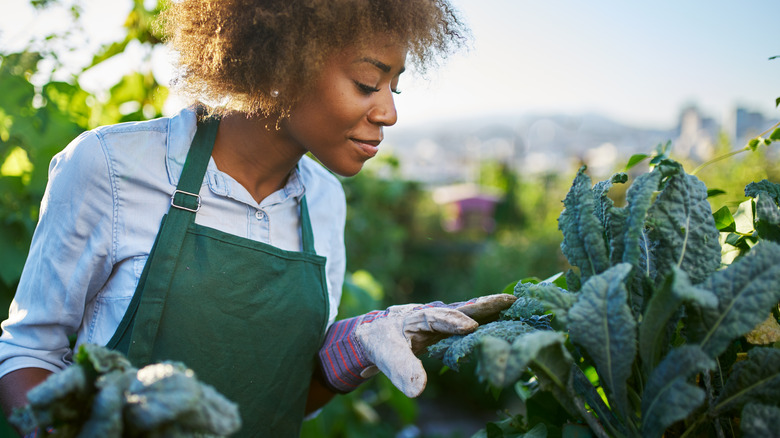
<point>380,65</point>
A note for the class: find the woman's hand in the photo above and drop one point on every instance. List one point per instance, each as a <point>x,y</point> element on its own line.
<point>388,341</point>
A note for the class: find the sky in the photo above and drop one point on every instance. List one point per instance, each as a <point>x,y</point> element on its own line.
<point>638,63</point>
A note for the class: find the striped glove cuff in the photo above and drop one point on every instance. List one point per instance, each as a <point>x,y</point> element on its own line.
<point>342,358</point>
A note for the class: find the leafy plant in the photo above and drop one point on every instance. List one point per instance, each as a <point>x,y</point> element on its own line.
<point>648,334</point>
<point>101,394</point>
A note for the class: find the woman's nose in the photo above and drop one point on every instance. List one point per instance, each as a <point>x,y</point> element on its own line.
<point>384,113</point>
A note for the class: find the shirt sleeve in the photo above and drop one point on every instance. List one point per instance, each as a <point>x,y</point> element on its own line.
<point>70,259</point>
<point>338,259</point>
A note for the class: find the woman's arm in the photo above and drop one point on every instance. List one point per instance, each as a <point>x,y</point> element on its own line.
<point>319,394</point>
<point>70,259</point>
<point>15,385</point>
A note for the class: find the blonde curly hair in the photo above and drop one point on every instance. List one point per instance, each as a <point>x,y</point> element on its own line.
<point>236,52</point>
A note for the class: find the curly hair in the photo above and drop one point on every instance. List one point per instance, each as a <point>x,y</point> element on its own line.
<point>236,52</point>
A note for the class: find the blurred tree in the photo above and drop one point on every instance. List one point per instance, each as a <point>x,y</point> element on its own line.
<point>730,177</point>
<point>40,115</point>
<point>380,218</point>
<point>509,212</point>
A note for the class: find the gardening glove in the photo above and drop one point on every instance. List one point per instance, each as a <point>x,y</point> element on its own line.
<point>357,348</point>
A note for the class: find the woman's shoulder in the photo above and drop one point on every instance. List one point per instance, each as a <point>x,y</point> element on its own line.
<point>130,150</point>
<point>135,133</point>
<point>184,120</point>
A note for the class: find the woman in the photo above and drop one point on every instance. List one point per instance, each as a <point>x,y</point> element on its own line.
<point>211,238</point>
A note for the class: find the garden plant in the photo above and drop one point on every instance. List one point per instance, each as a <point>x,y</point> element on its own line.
<point>667,324</point>
<point>102,395</point>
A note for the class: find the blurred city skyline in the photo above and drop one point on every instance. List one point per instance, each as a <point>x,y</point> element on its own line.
<point>638,64</point>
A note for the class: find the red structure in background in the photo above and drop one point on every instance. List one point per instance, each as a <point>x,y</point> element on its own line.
<point>468,207</point>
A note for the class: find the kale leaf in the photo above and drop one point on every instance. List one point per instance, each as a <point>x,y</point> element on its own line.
<point>101,394</point>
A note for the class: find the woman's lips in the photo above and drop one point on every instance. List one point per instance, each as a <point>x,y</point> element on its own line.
<point>369,147</point>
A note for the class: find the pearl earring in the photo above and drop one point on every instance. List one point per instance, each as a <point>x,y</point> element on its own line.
<point>274,93</point>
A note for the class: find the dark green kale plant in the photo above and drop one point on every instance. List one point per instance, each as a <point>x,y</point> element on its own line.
<point>102,395</point>
<point>660,328</point>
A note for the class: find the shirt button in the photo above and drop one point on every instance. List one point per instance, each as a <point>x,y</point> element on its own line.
<point>259,215</point>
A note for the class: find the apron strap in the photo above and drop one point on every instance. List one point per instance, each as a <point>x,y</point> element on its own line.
<point>186,198</point>
<point>307,235</point>
<point>185,202</point>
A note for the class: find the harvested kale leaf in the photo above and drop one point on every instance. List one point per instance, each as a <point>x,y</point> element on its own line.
<point>101,394</point>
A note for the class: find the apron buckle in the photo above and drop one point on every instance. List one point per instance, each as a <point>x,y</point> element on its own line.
<point>197,198</point>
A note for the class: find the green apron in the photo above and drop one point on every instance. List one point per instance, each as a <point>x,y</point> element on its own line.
<point>247,317</point>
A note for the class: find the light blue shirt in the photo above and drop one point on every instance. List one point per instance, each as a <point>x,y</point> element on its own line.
<point>107,192</point>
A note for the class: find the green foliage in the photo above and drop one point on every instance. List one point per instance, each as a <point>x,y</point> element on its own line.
<point>101,394</point>
<point>670,397</point>
<point>746,292</point>
<point>759,163</point>
<point>682,229</point>
<point>662,313</point>
<point>380,219</point>
<point>376,409</point>
<point>767,218</point>
<point>658,312</point>
<point>30,134</point>
<point>756,379</point>
<point>37,121</point>
<point>39,116</point>
<point>759,420</point>
<point>394,231</point>
<point>455,348</point>
<point>507,429</point>
<point>584,246</point>
<point>611,341</point>
<point>541,297</point>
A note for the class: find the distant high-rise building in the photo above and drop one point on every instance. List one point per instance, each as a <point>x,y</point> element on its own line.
<point>747,124</point>
<point>696,135</point>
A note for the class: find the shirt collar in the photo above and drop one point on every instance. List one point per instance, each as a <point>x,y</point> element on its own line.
<point>181,131</point>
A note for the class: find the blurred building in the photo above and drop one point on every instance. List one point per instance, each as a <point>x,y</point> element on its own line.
<point>452,152</point>
<point>467,207</point>
<point>745,124</point>
<point>696,135</point>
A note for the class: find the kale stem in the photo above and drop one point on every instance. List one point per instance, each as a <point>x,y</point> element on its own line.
<point>777,125</point>
<point>722,384</point>
<point>639,378</point>
<point>632,425</point>
<point>732,153</point>
<point>720,373</point>
<point>707,380</point>
<point>693,426</point>
<point>719,158</point>
<point>595,426</point>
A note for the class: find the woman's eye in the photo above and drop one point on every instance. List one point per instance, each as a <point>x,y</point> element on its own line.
<point>367,89</point>
<point>396,91</point>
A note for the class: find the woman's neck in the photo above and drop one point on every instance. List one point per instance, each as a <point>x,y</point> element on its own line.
<point>255,153</point>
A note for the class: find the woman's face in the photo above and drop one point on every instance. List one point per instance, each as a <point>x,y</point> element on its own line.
<point>340,120</point>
